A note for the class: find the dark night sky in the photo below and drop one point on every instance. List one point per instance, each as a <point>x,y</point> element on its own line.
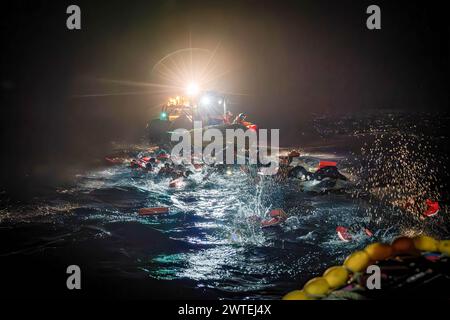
<point>291,57</point>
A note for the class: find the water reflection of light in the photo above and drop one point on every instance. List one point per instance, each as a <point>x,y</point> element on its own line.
<point>220,246</point>
<point>209,264</point>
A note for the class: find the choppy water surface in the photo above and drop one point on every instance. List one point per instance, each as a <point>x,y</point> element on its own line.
<point>210,243</point>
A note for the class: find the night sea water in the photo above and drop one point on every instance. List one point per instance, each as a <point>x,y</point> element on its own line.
<point>210,245</point>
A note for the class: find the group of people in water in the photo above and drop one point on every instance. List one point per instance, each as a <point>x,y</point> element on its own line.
<point>159,162</point>
<point>326,176</point>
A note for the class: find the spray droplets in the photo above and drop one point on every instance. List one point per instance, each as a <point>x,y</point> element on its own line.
<point>401,164</point>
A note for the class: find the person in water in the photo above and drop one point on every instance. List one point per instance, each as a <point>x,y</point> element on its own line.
<point>187,173</point>
<point>227,117</point>
<point>330,172</point>
<point>240,119</point>
<point>174,172</point>
<point>149,166</point>
<point>167,170</point>
<point>292,155</point>
<point>162,155</point>
<point>357,228</point>
<point>134,164</point>
<point>283,172</point>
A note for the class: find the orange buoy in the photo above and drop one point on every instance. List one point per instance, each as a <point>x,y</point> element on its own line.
<point>153,211</point>
<point>277,216</point>
<point>432,208</point>
<point>278,213</point>
<point>343,234</point>
<point>402,245</point>
<point>271,223</point>
<point>323,164</point>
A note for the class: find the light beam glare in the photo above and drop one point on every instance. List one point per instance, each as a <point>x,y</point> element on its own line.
<point>98,95</point>
<point>139,84</point>
<point>211,57</point>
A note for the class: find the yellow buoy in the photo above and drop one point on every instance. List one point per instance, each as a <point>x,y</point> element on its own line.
<point>297,295</point>
<point>403,245</point>
<point>336,276</point>
<point>357,261</point>
<point>316,287</point>
<point>444,247</point>
<point>426,243</point>
<point>378,251</point>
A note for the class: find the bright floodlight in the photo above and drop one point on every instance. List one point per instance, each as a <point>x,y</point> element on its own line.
<point>206,100</point>
<point>192,89</point>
